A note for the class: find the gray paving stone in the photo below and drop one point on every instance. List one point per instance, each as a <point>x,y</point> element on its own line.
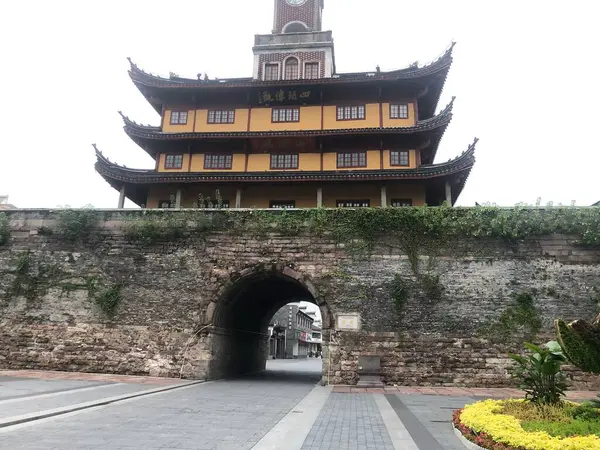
<point>349,421</point>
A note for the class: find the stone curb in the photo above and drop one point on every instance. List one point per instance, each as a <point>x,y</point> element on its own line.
<point>16,420</point>
<point>467,443</point>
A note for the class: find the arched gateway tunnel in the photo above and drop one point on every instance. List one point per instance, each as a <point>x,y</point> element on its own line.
<point>240,320</point>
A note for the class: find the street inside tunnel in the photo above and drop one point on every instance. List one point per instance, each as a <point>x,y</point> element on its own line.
<point>241,336</point>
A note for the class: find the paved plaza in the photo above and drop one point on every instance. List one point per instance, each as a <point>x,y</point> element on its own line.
<point>282,408</point>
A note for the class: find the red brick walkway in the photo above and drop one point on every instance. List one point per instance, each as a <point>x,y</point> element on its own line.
<point>454,391</point>
<point>52,375</point>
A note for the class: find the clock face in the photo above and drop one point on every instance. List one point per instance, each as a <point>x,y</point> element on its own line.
<point>295,2</point>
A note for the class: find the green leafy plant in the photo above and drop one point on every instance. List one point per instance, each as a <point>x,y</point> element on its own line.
<point>520,316</point>
<point>540,374</point>
<point>150,230</point>
<point>4,229</point>
<point>76,225</point>
<point>108,299</point>
<point>580,341</point>
<point>400,291</point>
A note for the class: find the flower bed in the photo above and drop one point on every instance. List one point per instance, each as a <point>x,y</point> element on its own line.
<point>484,424</point>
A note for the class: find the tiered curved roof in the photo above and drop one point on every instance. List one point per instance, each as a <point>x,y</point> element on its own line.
<point>144,135</point>
<point>431,76</point>
<point>116,174</point>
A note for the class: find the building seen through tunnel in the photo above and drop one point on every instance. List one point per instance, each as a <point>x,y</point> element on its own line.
<point>291,333</point>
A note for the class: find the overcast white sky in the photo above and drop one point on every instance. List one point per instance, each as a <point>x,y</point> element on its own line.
<point>525,74</point>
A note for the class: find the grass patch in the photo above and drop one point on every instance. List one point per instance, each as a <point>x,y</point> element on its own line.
<point>565,419</point>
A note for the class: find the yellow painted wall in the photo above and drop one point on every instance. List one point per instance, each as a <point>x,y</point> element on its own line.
<point>259,196</point>
<point>416,192</point>
<point>351,191</point>
<point>238,163</point>
<point>310,161</point>
<point>387,122</point>
<point>373,161</point>
<point>305,195</point>
<point>310,119</point>
<point>184,165</point>
<point>412,160</point>
<point>371,120</point>
<point>261,162</point>
<point>240,122</point>
<point>187,128</point>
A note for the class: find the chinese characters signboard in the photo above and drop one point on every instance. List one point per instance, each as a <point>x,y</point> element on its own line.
<point>287,95</point>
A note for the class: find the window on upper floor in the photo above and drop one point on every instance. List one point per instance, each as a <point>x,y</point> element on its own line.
<point>352,159</point>
<point>356,112</point>
<point>285,115</point>
<point>311,70</point>
<point>217,161</point>
<point>291,69</point>
<point>173,161</point>
<point>271,72</point>
<point>287,161</point>
<point>221,116</point>
<point>179,117</point>
<point>398,111</point>
<point>282,204</point>
<point>396,203</point>
<point>353,203</point>
<point>399,158</point>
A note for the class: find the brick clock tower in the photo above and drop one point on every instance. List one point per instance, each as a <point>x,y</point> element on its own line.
<point>297,48</point>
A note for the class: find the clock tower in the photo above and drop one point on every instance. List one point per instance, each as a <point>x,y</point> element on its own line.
<point>297,16</point>
<point>297,47</point>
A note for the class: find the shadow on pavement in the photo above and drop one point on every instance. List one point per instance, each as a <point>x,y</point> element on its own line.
<point>289,371</point>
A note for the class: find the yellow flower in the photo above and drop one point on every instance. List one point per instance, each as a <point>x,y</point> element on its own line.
<point>484,417</point>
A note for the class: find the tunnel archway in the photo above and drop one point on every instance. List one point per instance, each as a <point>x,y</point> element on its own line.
<point>241,318</point>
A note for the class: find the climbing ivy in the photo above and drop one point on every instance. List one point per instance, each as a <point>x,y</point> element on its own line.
<point>32,279</point>
<point>415,229</point>
<point>108,298</point>
<point>76,225</point>
<point>4,229</point>
<point>521,315</point>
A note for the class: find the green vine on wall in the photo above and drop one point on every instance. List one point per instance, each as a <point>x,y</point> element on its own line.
<point>32,279</point>
<point>521,316</point>
<point>4,229</point>
<point>75,225</point>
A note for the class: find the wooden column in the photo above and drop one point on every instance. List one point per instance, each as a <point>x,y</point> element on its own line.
<point>178,199</point>
<point>238,198</point>
<point>121,198</point>
<point>448,193</point>
<point>319,197</point>
<point>383,196</point>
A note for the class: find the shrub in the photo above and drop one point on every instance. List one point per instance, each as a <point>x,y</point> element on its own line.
<point>76,225</point>
<point>580,341</point>
<point>586,412</point>
<point>485,420</point>
<point>564,429</point>
<point>540,373</point>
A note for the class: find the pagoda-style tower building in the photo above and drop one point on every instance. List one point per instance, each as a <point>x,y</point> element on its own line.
<point>295,134</point>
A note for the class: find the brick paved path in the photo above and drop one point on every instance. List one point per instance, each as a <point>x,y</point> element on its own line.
<point>278,409</point>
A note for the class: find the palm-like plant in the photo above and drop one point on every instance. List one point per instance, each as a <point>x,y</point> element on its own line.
<point>540,373</point>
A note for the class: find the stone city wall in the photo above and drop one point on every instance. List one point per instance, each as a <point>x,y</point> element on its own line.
<point>448,320</point>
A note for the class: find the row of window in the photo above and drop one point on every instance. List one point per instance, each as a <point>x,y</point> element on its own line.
<point>291,70</point>
<point>352,112</point>
<point>290,160</point>
<point>290,204</point>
